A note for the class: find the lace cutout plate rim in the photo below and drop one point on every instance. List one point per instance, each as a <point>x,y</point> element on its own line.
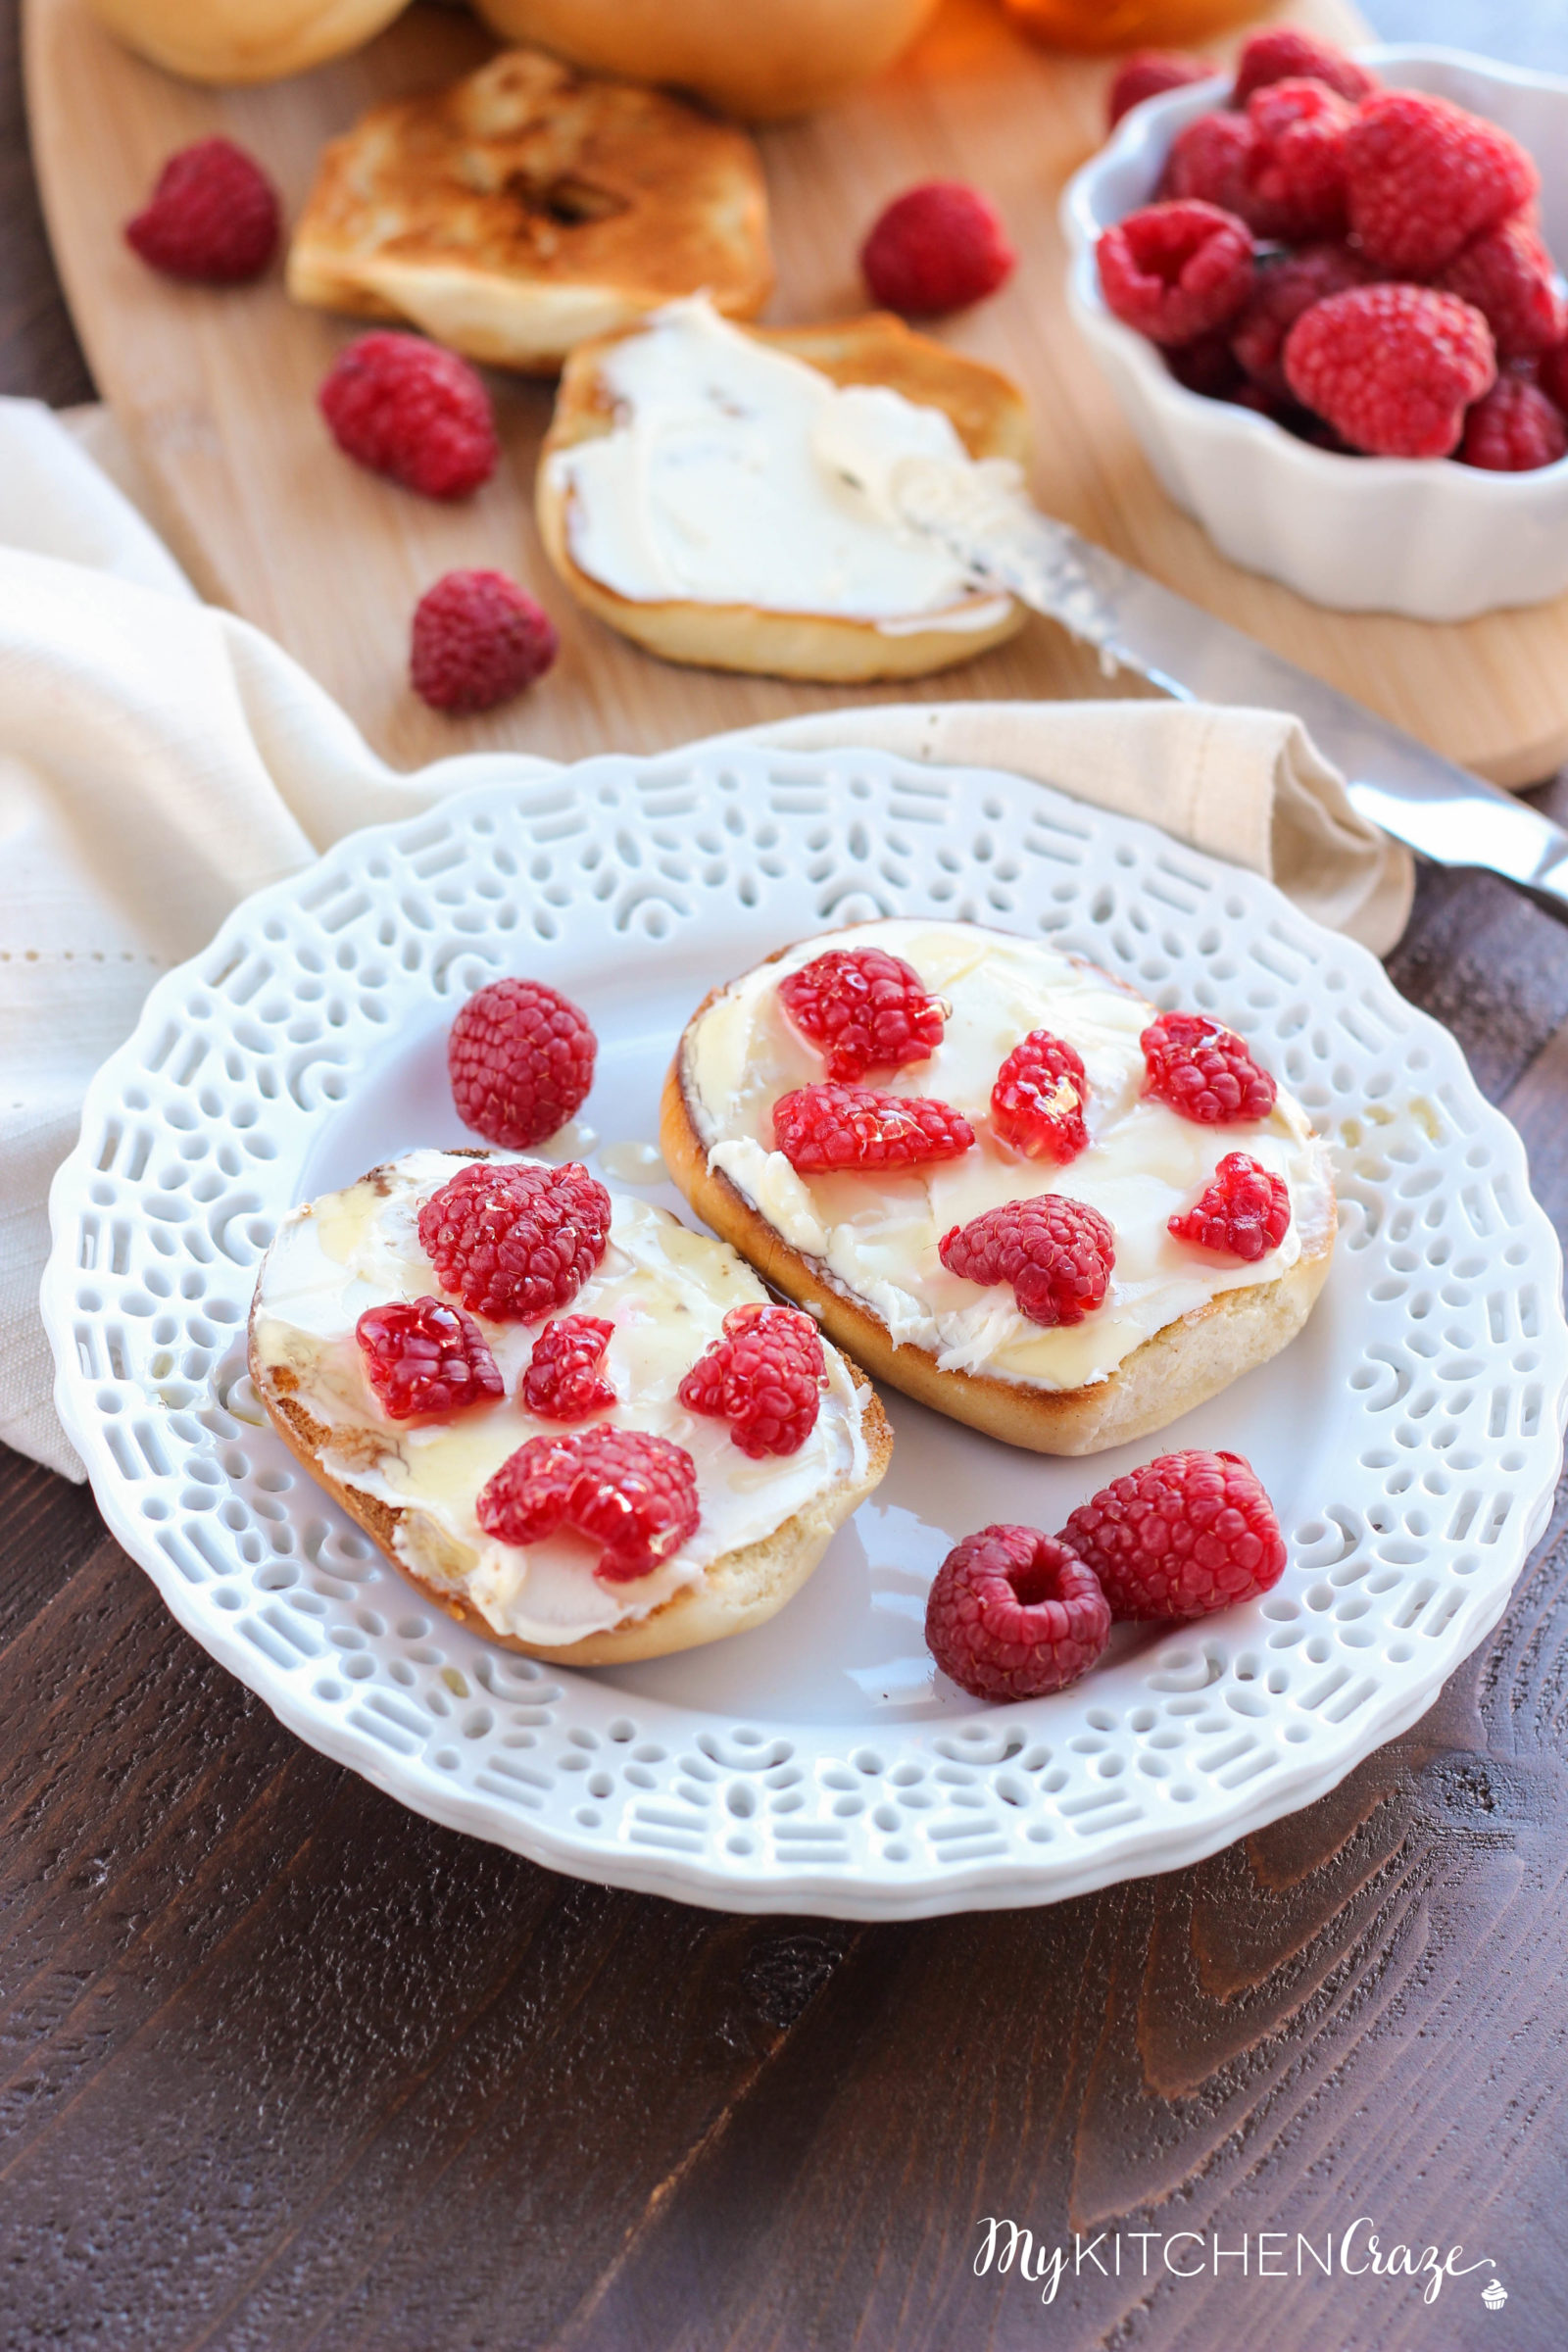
<point>1412,1436</point>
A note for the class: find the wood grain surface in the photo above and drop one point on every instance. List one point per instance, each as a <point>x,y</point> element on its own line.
<point>282,2066</point>
<point>219,393</point>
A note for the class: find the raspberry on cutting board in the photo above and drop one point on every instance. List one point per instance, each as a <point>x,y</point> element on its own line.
<point>520,1058</point>
<point>213,217</point>
<point>1014,1614</point>
<point>938,247</point>
<point>764,1378</point>
<point>1175,270</point>
<point>513,1241</point>
<point>477,640</point>
<point>632,1492</point>
<point>1184,1536</point>
<point>406,409</point>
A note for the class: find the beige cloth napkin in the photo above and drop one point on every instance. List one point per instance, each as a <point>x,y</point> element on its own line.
<point>160,759</point>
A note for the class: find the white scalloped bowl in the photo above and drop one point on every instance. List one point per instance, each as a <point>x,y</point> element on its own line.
<point>1426,538</point>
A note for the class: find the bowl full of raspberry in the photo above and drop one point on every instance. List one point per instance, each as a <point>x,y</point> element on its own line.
<point>1327,297</point>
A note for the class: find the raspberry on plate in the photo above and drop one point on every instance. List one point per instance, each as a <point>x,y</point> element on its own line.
<point>406,409</point>
<point>425,1357</point>
<point>1055,1252</point>
<point>1014,1614</point>
<point>764,1378</point>
<point>1514,429</point>
<point>633,1494</point>
<point>1037,1104</point>
<point>938,247</point>
<point>1284,53</point>
<point>516,1243</point>
<point>1426,177</point>
<point>1174,270</point>
<point>213,217</point>
<point>1508,276</point>
<point>1149,74</point>
<point>1183,1536</point>
<point>1285,287</point>
<point>562,1381</point>
<point>1295,185</point>
<point>1393,368</point>
<point>477,640</point>
<point>820,1128</point>
<point>520,1059</point>
<point>864,1009</point>
<point>1204,1071</point>
<point>1243,1212</point>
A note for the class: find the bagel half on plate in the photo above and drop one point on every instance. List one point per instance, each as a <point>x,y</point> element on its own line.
<point>531,206</point>
<point>1178,1322</point>
<point>413,1484</point>
<point>683,498</point>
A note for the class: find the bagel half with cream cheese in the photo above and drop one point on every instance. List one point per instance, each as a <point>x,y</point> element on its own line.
<point>413,1485</point>
<point>1178,1323</point>
<point>888,603</point>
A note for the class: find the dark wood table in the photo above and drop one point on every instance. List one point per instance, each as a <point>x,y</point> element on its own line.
<point>282,2065</point>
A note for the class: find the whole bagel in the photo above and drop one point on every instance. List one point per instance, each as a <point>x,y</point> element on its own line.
<point>243,40</point>
<point>758,63</point>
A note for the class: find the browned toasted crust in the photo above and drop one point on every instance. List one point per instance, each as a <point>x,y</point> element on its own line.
<point>741,1590</point>
<point>1178,1368</point>
<point>989,414</point>
<point>530,206</point>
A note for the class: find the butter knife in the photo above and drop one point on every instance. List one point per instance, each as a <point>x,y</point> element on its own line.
<point>981,514</point>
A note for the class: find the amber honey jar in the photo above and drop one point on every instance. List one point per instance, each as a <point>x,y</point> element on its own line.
<point>1128,23</point>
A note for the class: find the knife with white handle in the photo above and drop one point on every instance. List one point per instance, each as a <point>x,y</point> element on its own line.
<point>984,517</point>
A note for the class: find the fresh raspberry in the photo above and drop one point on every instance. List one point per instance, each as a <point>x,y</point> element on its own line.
<point>1287,286</point>
<point>1392,368</point>
<point>1426,177</point>
<point>406,408</point>
<point>1209,162</point>
<point>1184,1535</point>
<point>1207,364</point>
<point>938,247</point>
<point>1149,74</point>
<point>626,1489</point>
<point>864,1009</point>
<point>1296,184</point>
<point>764,1378</point>
<point>520,1058</point>
<point>1243,1212</point>
<point>426,1357</point>
<point>562,1381</point>
<point>1037,1104</point>
<point>1282,53</point>
<point>1508,276</point>
<point>818,1128</point>
<point>1204,1071</point>
<point>212,215</point>
<point>516,1243</point>
<point>478,639</point>
<point>1014,1614</point>
<point>1055,1252</point>
<point>1174,270</point>
<point>1552,376</point>
<point>1514,429</point>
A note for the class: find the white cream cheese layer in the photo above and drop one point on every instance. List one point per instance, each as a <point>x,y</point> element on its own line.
<point>878,1234</point>
<point>719,484</point>
<point>665,1289</point>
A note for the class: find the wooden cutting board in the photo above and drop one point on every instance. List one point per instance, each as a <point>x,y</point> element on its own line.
<point>216,390</point>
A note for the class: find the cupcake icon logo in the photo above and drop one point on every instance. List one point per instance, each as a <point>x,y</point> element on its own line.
<point>1495,2294</point>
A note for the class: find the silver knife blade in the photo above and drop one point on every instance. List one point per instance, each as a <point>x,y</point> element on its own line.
<point>1440,808</point>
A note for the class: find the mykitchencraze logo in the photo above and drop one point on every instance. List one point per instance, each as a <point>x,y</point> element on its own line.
<point>1358,2252</point>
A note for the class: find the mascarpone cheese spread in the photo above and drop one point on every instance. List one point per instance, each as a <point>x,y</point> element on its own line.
<point>665,1289</point>
<point>721,483</point>
<point>877,1234</point>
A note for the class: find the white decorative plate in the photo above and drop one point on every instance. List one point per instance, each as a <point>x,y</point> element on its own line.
<point>1411,1437</point>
